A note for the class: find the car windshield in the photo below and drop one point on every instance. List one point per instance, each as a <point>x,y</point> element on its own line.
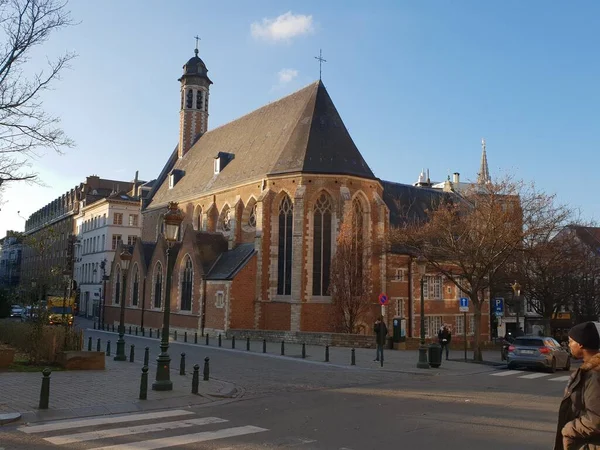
<point>61,310</point>
<point>529,342</point>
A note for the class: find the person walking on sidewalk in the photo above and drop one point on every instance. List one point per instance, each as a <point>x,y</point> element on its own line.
<point>380,336</point>
<point>579,412</point>
<point>444,337</point>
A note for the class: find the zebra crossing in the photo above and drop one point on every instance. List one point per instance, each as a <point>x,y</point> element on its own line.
<point>530,376</point>
<point>109,432</point>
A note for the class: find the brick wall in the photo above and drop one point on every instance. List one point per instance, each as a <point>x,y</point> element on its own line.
<point>242,297</point>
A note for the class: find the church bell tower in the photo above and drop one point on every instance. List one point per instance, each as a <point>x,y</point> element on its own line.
<point>193,116</point>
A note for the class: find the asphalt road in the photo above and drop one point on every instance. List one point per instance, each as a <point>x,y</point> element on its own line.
<point>294,404</point>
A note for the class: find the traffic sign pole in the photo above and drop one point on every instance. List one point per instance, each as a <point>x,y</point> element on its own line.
<point>465,333</point>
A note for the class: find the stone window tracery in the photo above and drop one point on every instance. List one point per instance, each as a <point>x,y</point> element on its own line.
<point>284,258</point>
<point>322,245</point>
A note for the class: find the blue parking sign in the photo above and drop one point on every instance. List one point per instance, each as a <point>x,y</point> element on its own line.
<point>498,306</point>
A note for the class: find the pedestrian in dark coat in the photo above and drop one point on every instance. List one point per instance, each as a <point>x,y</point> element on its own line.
<point>579,412</point>
<point>380,331</point>
<point>444,336</point>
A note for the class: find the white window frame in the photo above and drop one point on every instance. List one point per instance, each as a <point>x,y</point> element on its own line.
<point>433,287</point>
<point>399,274</point>
<point>459,325</point>
<point>220,299</point>
<point>433,323</point>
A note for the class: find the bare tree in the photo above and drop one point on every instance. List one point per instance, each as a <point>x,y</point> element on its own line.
<point>25,128</point>
<point>351,282</point>
<point>470,238</point>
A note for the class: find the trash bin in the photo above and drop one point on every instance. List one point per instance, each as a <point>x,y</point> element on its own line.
<point>390,343</point>
<point>397,329</point>
<point>435,355</point>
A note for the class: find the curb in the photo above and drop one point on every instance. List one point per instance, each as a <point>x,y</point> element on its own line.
<point>9,418</point>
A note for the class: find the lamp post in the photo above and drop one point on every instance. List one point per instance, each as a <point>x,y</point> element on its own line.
<point>94,272</point>
<point>125,259</point>
<point>104,279</point>
<point>172,219</point>
<point>422,364</point>
<point>516,287</point>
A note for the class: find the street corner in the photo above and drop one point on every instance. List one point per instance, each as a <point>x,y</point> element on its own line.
<point>221,389</point>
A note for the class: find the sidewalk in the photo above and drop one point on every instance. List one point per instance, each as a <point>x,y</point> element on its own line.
<point>112,391</point>
<point>402,361</point>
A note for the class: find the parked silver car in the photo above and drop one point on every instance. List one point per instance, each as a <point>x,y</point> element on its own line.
<point>540,352</point>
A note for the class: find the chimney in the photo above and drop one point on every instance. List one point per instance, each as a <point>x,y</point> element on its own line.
<point>456,178</point>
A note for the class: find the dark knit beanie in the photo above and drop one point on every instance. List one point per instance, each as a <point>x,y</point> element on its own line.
<point>587,334</point>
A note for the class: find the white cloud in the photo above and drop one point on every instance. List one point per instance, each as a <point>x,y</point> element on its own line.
<point>282,28</point>
<point>287,75</point>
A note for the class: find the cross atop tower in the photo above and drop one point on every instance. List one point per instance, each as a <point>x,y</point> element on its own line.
<point>197,39</point>
<point>321,61</point>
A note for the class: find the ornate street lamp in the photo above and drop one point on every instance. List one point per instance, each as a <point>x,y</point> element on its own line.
<point>125,259</point>
<point>422,266</point>
<point>172,219</point>
<point>516,287</point>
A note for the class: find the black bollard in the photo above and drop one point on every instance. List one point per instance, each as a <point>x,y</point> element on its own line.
<point>45,391</point>
<point>206,338</point>
<point>136,331</point>
<point>130,330</point>
<point>150,332</point>
<point>206,369</point>
<point>282,348</point>
<point>143,332</point>
<point>353,357</point>
<point>327,353</point>
<point>185,336</point>
<point>175,335</point>
<point>158,333</point>
<point>98,345</point>
<point>195,338</point>
<point>303,350</point>
<point>182,365</point>
<point>107,348</point>
<point>232,341</point>
<point>94,324</point>
<point>113,327</point>
<point>90,344</point>
<point>144,384</point>
<point>264,346</point>
<point>132,353</point>
<point>248,344</point>
<point>146,356</point>
<point>195,379</point>
<point>219,339</point>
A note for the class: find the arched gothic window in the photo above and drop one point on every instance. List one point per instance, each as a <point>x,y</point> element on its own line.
<point>321,245</point>
<point>225,224</point>
<point>190,98</point>
<point>158,277</point>
<point>252,217</point>
<point>186,285</point>
<point>118,285</point>
<point>284,258</point>
<point>136,287</point>
<point>358,237</point>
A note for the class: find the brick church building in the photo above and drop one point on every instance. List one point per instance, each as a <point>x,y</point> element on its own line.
<point>263,198</point>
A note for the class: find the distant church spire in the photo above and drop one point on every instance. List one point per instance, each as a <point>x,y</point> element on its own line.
<point>483,177</point>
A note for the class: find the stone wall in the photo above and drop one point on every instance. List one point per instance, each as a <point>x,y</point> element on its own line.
<point>332,339</point>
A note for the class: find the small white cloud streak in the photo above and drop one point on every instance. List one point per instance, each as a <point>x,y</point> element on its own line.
<point>282,28</point>
<point>287,75</point>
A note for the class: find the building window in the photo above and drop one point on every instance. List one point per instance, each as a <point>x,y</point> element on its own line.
<point>226,220</point>
<point>432,325</point>
<point>217,165</point>
<point>189,99</point>
<point>199,99</point>
<point>136,287</point>
<point>321,245</point>
<point>104,219</point>
<point>115,240</point>
<point>133,220</point>
<point>459,325</point>
<point>103,242</point>
<point>118,219</point>
<point>400,307</point>
<point>284,258</point>
<point>186,285</point>
<point>158,286</point>
<point>117,285</point>
<point>220,300</point>
<point>471,329</point>
<point>252,217</point>
<point>398,275</point>
<point>358,240</point>
<point>432,288</point>
<point>131,240</point>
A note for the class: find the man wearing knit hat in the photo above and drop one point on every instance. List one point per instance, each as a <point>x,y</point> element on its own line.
<point>579,412</point>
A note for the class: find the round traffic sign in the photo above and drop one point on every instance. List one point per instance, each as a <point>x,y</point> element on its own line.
<point>383,298</point>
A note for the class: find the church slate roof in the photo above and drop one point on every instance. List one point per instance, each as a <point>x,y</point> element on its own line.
<point>230,262</point>
<point>302,132</point>
<point>409,203</point>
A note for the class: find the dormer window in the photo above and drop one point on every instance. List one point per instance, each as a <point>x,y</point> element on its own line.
<point>217,165</point>
<point>171,181</point>
<point>221,160</point>
<point>174,177</point>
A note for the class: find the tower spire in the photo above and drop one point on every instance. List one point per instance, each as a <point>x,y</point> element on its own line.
<point>483,177</point>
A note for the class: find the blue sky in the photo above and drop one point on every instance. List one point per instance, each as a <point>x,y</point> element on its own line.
<point>417,83</point>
